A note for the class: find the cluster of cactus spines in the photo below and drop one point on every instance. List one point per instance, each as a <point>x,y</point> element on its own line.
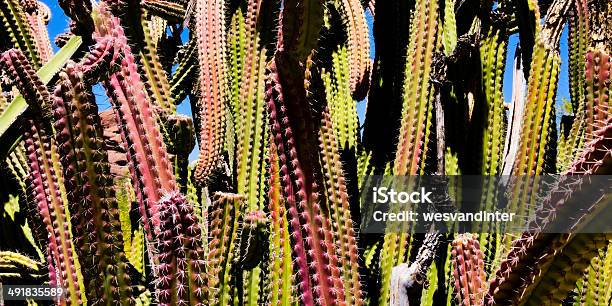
<point>182,272</point>
<point>210,35</point>
<point>89,185</point>
<point>298,244</point>
<point>469,276</point>
<point>223,234</point>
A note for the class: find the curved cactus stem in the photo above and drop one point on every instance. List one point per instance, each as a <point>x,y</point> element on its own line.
<point>531,254</point>
<point>150,166</point>
<point>38,16</point>
<point>210,32</point>
<point>45,179</point>
<point>353,16</point>
<point>563,272</point>
<point>171,11</point>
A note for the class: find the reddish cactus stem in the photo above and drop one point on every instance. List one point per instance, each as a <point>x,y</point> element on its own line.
<point>210,32</point>
<point>301,194</point>
<point>150,166</point>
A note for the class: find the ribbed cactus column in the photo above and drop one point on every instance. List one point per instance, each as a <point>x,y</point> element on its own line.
<point>353,16</point>
<point>210,35</point>
<point>492,62</point>
<point>89,185</point>
<point>182,275</point>
<point>45,178</point>
<point>150,166</point>
<point>15,24</point>
<point>468,270</point>
<point>281,283</point>
<point>223,217</point>
<point>342,224</point>
<point>529,259</point>
<point>416,106</point>
<point>598,87</point>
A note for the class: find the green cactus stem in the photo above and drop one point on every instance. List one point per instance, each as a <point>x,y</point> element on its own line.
<point>185,72</point>
<point>223,217</point>
<point>281,284</point>
<point>341,105</point>
<point>15,23</point>
<point>541,92</point>
<point>155,76</point>
<point>249,111</point>
<point>423,37</point>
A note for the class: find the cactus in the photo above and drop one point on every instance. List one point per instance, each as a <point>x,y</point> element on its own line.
<point>468,270</point>
<point>89,185</point>
<point>212,84</point>
<point>112,206</point>
<point>181,261</point>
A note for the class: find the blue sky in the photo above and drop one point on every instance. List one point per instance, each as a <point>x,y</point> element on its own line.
<point>59,24</point>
